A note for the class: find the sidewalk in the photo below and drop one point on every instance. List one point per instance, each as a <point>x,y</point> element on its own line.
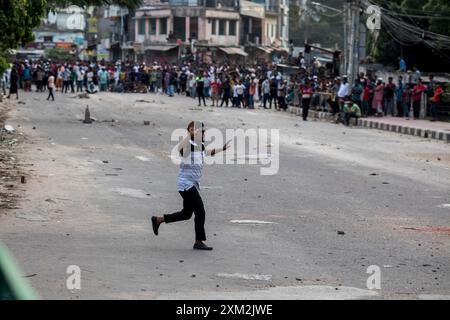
<point>421,128</point>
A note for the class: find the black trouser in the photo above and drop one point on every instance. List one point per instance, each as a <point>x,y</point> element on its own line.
<point>305,107</point>
<point>266,97</point>
<point>273,97</point>
<point>348,116</point>
<point>200,97</point>
<point>50,94</point>
<point>416,109</point>
<point>65,86</point>
<point>225,98</point>
<point>192,203</point>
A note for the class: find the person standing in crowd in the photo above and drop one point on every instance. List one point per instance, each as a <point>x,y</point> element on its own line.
<point>407,98</point>
<point>215,92</point>
<point>265,89</point>
<point>344,91</point>
<point>13,86</point>
<point>377,105</point>
<point>251,93</point>
<point>389,98</point>
<point>206,84</point>
<point>273,92</point>
<point>238,94</point>
<point>51,87</point>
<point>307,92</point>
<point>66,80</point>
<point>73,79</point>
<point>80,79</point>
<point>40,73</point>
<point>357,92</point>
<point>200,82</point>
<point>282,95</point>
<point>365,104</point>
<point>399,96</point>
<point>104,77</point>
<point>192,150</point>
<point>226,92</point>
<point>436,101</point>
<point>402,65</point>
<point>417,94</point>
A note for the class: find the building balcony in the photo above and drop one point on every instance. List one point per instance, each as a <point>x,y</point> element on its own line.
<point>233,4</point>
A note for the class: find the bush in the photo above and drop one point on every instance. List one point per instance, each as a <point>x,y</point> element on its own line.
<point>58,54</point>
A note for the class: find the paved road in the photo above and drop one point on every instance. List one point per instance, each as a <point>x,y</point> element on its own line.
<point>92,189</point>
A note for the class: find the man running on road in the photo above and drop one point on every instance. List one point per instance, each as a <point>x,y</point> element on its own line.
<point>192,149</point>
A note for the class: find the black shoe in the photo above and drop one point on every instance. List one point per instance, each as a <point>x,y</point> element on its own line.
<point>201,246</point>
<point>155,225</point>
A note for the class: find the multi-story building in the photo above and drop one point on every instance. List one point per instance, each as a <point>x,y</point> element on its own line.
<point>213,30</point>
<point>207,28</point>
<point>64,28</point>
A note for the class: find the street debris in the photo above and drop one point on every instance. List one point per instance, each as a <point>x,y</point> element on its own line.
<point>87,116</point>
<point>341,233</point>
<point>23,180</point>
<point>142,158</point>
<point>146,123</point>
<point>9,128</point>
<point>82,96</point>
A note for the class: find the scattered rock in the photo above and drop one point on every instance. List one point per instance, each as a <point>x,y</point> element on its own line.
<point>181,261</point>
<point>193,276</point>
<point>341,233</point>
<point>105,161</point>
<point>373,174</point>
<point>146,123</point>
<point>385,182</point>
<point>21,102</point>
<point>34,128</point>
<point>9,128</point>
<point>23,179</point>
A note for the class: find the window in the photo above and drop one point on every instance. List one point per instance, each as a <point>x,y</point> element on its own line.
<point>213,26</point>
<point>152,26</point>
<point>141,26</point>
<point>162,25</point>
<point>221,27</point>
<point>232,30</point>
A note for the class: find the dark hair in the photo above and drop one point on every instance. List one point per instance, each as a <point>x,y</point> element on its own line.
<point>192,124</point>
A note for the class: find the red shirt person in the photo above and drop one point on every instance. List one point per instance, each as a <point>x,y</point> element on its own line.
<point>417,92</point>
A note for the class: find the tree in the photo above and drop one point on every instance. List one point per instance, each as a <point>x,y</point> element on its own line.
<point>18,18</point>
<point>428,56</point>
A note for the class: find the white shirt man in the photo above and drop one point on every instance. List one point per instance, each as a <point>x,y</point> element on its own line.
<point>344,90</point>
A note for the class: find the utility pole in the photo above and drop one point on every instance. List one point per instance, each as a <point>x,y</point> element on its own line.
<point>353,37</point>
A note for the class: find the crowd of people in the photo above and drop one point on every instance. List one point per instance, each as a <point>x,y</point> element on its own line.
<point>262,85</point>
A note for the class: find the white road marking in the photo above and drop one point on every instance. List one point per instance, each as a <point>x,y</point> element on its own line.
<point>258,277</point>
<point>252,222</point>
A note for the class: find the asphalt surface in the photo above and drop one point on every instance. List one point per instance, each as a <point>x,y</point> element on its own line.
<point>343,199</point>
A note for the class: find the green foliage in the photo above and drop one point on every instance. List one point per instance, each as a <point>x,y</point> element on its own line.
<point>58,54</point>
<point>18,18</point>
<point>3,64</point>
